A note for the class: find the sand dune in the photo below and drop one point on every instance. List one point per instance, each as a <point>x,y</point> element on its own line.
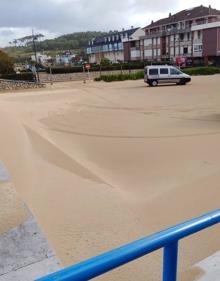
<point>103,164</point>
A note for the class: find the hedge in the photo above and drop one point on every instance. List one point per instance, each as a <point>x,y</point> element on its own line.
<point>25,76</point>
<point>64,70</point>
<point>96,67</point>
<point>206,70</point>
<point>121,77</point>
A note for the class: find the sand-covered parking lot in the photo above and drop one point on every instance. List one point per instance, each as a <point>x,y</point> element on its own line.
<point>101,164</point>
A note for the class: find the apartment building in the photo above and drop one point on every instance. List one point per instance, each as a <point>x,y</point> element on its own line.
<point>111,46</point>
<point>131,45</point>
<point>191,34</point>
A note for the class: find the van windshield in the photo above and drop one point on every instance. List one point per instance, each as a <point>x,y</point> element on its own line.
<point>175,71</point>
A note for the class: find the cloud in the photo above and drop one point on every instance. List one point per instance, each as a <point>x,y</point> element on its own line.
<point>6,32</point>
<point>66,16</point>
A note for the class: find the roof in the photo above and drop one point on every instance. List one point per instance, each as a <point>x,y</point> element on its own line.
<point>101,39</point>
<point>159,66</point>
<point>188,14</point>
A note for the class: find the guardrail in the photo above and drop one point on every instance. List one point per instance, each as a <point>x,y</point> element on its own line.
<point>167,239</point>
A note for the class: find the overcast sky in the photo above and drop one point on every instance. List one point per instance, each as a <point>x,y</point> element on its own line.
<point>56,17</point>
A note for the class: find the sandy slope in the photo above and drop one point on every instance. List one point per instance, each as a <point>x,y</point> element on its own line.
<point>103,164</point>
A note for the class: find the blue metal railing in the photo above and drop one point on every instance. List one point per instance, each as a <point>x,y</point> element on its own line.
<point>167,239</point>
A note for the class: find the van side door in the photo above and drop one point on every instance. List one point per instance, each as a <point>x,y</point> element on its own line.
<point>175,75</point>
<point>164,75</point>
<point>153,74</point>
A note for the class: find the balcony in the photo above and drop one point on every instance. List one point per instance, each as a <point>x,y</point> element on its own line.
<point>104,48</point>
<point>167,32</point>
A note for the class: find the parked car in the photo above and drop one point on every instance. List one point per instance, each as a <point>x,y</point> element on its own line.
<point>160,74</point>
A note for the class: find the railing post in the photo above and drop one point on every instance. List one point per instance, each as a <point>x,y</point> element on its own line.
<point>170,262</point>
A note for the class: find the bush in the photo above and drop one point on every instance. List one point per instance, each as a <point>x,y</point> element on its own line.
<point>97,67</point>
<point>105,61</point>
<point>64,70</point>
<point>97,79</point>
<point>208,70</point>
<point>121,77</point>
<point>25,76</point>
<point>6,63</point>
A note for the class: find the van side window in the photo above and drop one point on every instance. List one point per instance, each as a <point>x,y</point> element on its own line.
<point>174,71</point>
<point>164,71</point>
<point>153,71</point>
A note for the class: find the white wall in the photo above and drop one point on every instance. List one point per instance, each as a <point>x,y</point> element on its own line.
<point>92,58</point>
<point>171,51</point>
<point>177,51</point>
<point>181,50</point>
<point>114,56</point>
<point>138,33</point>
<point>158,52</point>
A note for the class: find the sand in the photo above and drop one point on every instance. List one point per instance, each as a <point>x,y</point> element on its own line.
<point>103,164</point>
<point>12,211</point>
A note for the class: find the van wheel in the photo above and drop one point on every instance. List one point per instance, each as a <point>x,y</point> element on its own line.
<point>181,82</point>
<point>154,83</point>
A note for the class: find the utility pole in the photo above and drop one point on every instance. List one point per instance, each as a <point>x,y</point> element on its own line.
<point>129,55</point>
<point>35,54</point>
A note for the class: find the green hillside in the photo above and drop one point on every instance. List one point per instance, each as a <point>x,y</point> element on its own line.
<point>75,42</point>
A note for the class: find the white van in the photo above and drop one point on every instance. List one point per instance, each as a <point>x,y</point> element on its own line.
<point>155,74</point>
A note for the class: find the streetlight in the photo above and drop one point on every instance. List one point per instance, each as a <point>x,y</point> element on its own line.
<point>129,55</point>
<point>35,54</point>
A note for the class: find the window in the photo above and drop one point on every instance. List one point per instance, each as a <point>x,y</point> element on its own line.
<point>174,71</point>
<point>199,34</point>
<point>137,44</point>
<point>164,71</point>
<point>197,48</point>
<point>181,36</point>
<point>120,46</point>
<point>188,36</point>
<point>185,50</point>
<point>153,71</point>
<point>147,42</point>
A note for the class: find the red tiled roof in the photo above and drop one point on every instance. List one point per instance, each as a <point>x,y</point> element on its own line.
<point>187,14</point>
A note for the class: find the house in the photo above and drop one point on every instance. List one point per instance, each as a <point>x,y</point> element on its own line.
<point>191,34</point>
<point>41,58</point>
<point>65,58</point>
<point>111,46</point>
<point>131,45</point>
<point>18,67</point>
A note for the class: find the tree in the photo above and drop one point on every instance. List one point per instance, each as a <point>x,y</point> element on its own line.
<point>6,64</point>
<point>28,40</point>
<point>105,61</point>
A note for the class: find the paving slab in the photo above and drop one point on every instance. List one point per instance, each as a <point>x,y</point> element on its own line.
<point>25,254</point>
<point>211,268</point>
<point>4,174</point>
